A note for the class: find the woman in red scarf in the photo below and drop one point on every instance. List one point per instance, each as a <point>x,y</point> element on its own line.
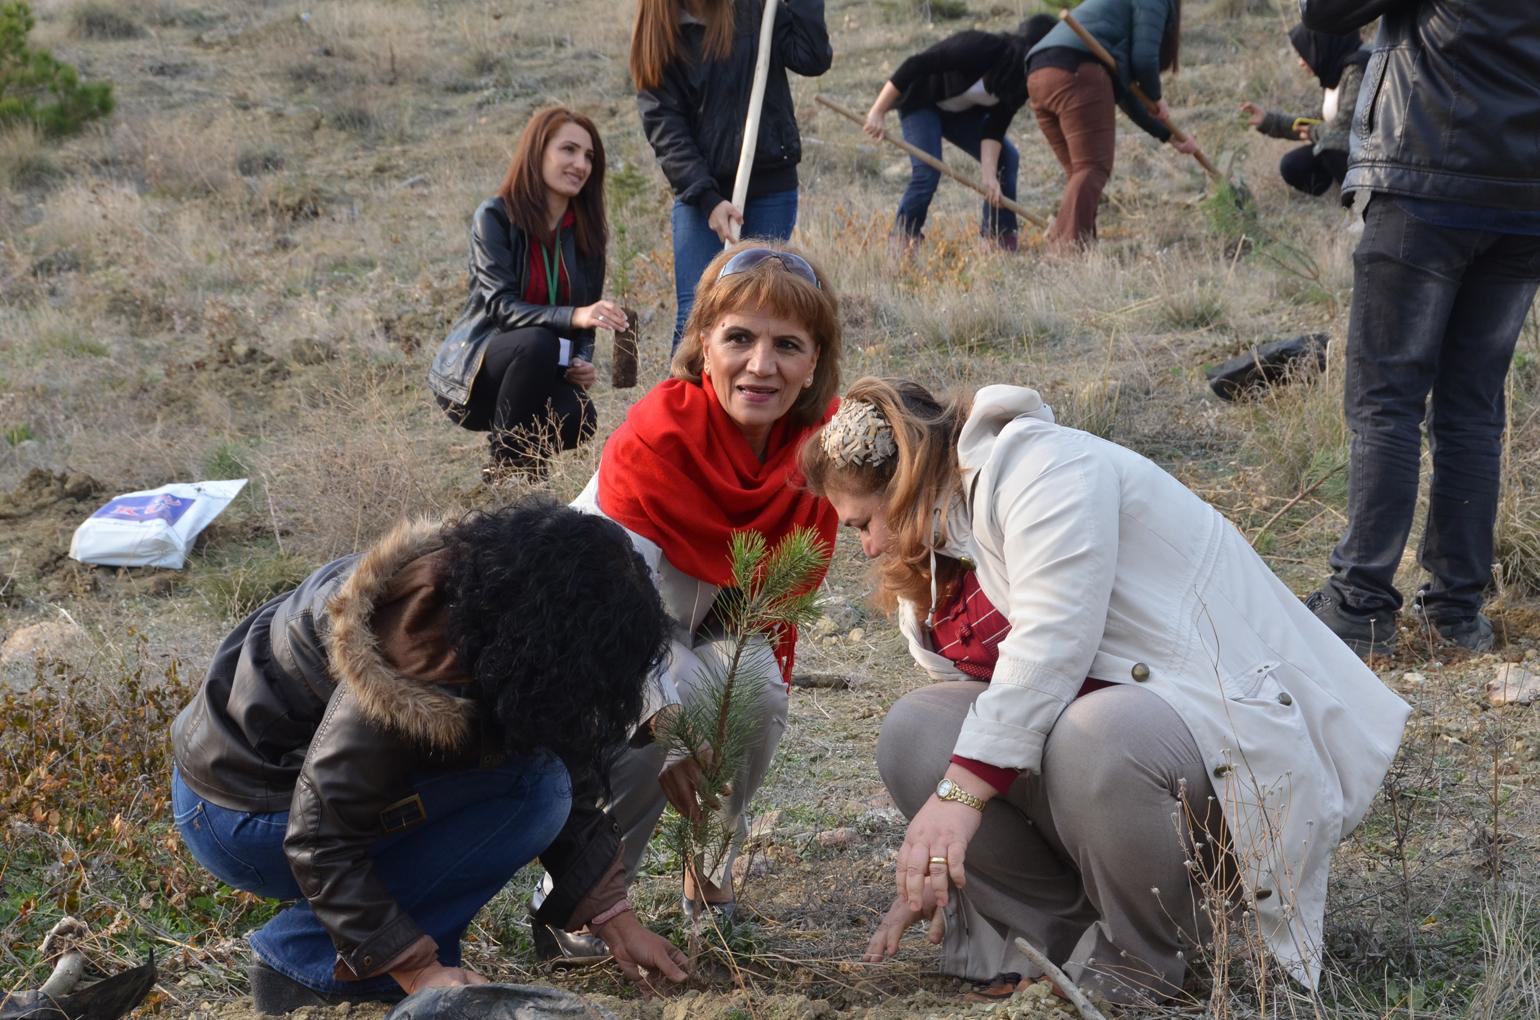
<point>707,453</point>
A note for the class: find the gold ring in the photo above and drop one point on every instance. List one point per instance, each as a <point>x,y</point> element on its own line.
<point>938,860</point>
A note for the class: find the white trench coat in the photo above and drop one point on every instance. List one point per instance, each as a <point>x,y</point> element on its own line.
<point>1103,562</point>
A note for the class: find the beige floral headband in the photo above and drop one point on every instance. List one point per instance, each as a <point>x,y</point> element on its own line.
<point>858,434</point>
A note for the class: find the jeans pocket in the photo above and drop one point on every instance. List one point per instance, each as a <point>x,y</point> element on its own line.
<point>198,833</point>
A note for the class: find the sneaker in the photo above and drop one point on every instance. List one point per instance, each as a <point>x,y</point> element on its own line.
<point>1007,241</point>
<point>1474,633</point>
<point>275,994</point>
<point>1366,634</point>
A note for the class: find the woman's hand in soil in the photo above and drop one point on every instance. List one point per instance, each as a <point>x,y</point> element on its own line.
<point>642,955</point>
<point>436,975</point>
<point>1254,114</point>
<point>600,315</point>
<point>725,221</point>
<point>899,919</point>
<point>582,373</point>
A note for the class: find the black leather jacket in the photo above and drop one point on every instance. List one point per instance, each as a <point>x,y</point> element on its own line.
<point>301,713</point>
<point>1450,105</point>
<point>694,119</point>
<point>499,272</point>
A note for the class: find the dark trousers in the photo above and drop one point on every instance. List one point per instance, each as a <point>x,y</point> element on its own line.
<point>1078,117</point>
<point>1303,169</point>
<point>924,129</point>
<point>521,397</point>
<point>1435,311</point>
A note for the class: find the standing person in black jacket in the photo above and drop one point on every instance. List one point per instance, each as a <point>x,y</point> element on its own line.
<point>693,65</point>
<point>966,89</point>
<point>1446,157</point>
<point>519,361</point>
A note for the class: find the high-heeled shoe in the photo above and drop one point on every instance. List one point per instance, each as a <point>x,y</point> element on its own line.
<point>566,948</point>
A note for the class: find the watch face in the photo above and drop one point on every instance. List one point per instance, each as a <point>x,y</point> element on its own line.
<point>944,788</point>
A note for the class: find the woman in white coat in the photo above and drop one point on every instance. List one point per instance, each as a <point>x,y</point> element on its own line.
<point>1132,705</point>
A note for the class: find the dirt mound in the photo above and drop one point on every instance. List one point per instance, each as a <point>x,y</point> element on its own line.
<point>39,515</point>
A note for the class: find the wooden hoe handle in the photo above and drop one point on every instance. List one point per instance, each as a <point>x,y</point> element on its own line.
<point>935,164</point>
<point>1100,53</point>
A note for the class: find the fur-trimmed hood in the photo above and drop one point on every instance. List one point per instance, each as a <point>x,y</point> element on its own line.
<point>425,712</point>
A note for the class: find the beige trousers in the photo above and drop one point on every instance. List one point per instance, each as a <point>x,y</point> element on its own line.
<point>1087,860</point>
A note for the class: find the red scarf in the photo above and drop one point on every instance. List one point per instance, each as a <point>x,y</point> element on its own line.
<point>679,472</point>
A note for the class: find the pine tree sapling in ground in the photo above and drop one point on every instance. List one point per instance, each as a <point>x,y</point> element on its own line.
<point>39,89</point>
<point>773,591</point>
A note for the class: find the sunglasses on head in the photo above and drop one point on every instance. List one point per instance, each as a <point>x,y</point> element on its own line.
<point>748,258</point>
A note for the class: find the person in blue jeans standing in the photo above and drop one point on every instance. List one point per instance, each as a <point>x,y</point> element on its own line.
<point>1443,156</point>
<point>390,742</point>
<point>692,62</point>
<point>966,88</point>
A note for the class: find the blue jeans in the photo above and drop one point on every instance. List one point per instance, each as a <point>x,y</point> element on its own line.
<point>924,129</point>
<point>1436,311</point>
<point>772,216</point>
<point>483,826</point>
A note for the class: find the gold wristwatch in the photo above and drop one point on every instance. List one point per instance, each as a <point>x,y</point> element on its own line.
<point>948,790</point>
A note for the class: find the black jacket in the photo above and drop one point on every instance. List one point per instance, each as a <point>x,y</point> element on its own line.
<point>301,712</point>
<point>951,66</point>
<point>1450,105</point>
<point>499,273</point>
<point>694,119</point>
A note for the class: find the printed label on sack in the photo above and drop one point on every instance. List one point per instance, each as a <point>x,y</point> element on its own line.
<point>158,507</point>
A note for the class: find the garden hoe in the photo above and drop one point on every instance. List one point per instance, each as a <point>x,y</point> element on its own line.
<point>1236,187</point>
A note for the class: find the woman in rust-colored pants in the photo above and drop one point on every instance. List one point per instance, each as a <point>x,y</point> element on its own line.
<point>1074,95</point>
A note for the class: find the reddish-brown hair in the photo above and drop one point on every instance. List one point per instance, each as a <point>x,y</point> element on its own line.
<point>655,35</point>
<point>523,187</point>
<point>768,288</point>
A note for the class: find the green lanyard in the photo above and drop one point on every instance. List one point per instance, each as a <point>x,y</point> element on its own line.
<point>553,263</point>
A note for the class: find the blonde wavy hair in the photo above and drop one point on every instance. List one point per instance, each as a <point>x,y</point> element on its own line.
<point>919,479</point>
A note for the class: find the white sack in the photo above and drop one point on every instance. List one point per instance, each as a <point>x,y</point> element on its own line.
<point>153,528</point>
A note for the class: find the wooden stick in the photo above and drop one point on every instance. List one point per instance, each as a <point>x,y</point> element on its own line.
<point>756,106</point>
<point>1100,53</point>
<point>936,164</point>
<point>1058,977</point>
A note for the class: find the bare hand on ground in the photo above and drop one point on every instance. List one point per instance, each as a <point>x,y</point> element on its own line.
<point>647,959</point>
<point>436,975</point>
<point>600,315</point>
<point>1254,113</point>
<point>724,219</point>
<point>899,919</point>
<point>582,373</point>
<point>942,829</point>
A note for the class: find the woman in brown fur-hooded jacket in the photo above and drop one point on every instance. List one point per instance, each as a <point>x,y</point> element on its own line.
<point>390,742</point>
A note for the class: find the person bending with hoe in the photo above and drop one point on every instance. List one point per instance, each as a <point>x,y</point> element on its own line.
<point>390,742</point>
<point>1337,60</point>
<point>1133,713</point>
<point>966,89</point>
<point>1073,95</point>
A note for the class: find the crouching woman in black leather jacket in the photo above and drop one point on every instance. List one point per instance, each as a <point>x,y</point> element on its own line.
<point>389,743</point>
<point>519,360</point>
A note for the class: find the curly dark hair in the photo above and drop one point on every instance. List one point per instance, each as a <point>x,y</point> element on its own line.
<point>559,624</point>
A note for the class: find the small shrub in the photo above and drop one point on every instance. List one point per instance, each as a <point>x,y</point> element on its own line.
<point>36,88</point>
<point>23,163</point>
<point>100,21</point>
<point>234,590</point>
<point>15,435</point>
<point>354,118</point>
<point>255,162</point>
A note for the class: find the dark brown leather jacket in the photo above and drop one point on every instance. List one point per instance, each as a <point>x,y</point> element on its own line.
<point>324,702</point>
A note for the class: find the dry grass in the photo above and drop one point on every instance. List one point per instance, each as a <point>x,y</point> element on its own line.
<point>247,267</point>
